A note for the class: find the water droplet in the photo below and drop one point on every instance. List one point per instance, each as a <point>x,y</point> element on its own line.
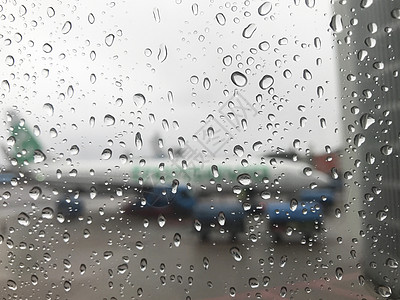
<point>257,146</point>
<point>162,53</point>
<point>287,74</point>
<point>336,23</point>
<point>47,48</point>
<point>366,120</point>
<point>161,220</point>
<point>51,12</point>
<point>264,9</point>
<point>197,225</point>
<point>310,3</point>
<point>177,239</point>
<point>92,55</point>
<point>92,192</point>
<point>362,54</point>
<point>82,269</point>
<point>307,74</point>
<point>227,60</point>
<point>74,150</point>
<point>60,218</point>
<point>38,156</point>
<point>238,150</point>
<point>265,195</point>
<point>322,123</point>
<point>246,206</point>
<point>143,264</point>
<point>86,233</point>
<point>5,85</point>
<point>334,173</point>
<point>67,264</point>
<point>138,141</point>
<point>66,237</point>
<point>214,170</point>
<point>109,120</point>
<point>24,219</point>
<point>366,3</point>
<point>206,263</point>
<point>92,121</point>
<point>385,291</point>
<point>381,215</point>
<point>9,60</point>
<point>108,254</point>
<point>206,83</point>
<point>249,30</point>
<point>194,79</point>
<point>221,218</point>
<point>264,46</point>
<point>283,261</point>
<point>91,18</point>
<point>386,150</point>
<point>289,231</point>
<point>109,40</point>
<point>139,100</point>
<point>35,193</point>
<point>235,252</point>
<point>175,186</point>
<point>92,78</point>
<point>396,13</point>
<point>139,245</point>
<point>106,154</point>
<point>48,109</point>
<point>12,285</point>
<point>266,82</point>
<point>283,292</point>
<point>220,19</point>
<point>22,10</point>
<point>121,269</point>
<point>253,283</point>
<point>239,79</point>
<point>36,130</point>
<point>156,15</point>
<point>195,9</point>
<point>165,124</point>
<point>370,158</point>
<point>370,42</point>
<point>47,213</point>
<point>307,171</point>
<point>303,121</point>
<point>359,139</point>
<point>244,179</point>
<point>70,91</point>
<point>34,280</point>
<point>67,27</point>
<point>338,213</point>
<point>181,142</point>
<point>392,263</point>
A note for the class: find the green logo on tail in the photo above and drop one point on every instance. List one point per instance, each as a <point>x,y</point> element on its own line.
<point>25,146</point>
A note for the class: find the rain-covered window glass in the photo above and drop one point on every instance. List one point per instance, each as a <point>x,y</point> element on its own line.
<point>199,150</point>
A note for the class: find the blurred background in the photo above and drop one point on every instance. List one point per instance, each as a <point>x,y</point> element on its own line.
<point>192,150</point>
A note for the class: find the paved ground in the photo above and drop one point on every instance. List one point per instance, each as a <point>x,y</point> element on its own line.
<point>107,254</point>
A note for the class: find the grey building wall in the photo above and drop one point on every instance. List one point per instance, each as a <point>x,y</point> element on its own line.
<point>368,49</point>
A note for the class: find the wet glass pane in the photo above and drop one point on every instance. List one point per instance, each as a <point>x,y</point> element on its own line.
<point>199,150</point>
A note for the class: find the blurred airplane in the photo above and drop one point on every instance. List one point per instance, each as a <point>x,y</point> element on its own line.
<point>269,178</point>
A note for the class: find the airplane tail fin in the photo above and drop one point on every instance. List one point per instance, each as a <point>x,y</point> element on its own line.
<point>23,147</point>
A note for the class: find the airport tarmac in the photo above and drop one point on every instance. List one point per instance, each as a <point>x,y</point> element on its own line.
<point>106,254</point>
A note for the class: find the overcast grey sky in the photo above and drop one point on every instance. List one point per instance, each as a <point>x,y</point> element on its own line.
<point>173,53</point>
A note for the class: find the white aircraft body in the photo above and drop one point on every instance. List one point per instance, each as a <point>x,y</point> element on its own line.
<point>28,159</point>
